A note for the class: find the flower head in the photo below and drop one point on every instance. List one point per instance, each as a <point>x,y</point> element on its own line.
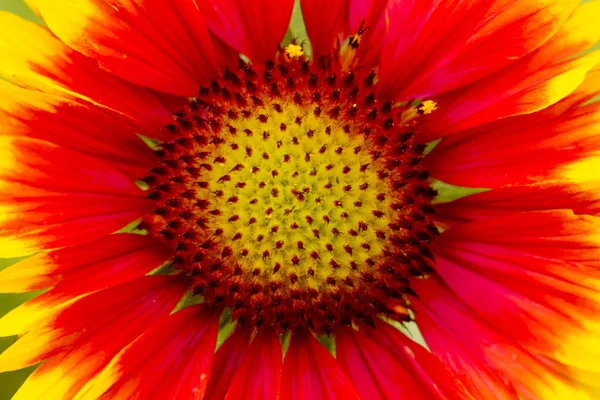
<point>401,206</point>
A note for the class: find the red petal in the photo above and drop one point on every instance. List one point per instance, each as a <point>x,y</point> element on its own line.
<point>328,25</point>
<point>34,58</point>
<point>367,12</point>
<point>532,83</point>
<point>226,363</point>
<point>523,149</point>
<point>463,356</point>
<point>162,46</point>
<point>372,14</point>
<point>384,363</point>
<point>311,372</point>
<point>259,374</point>
<point>435,46</point>
<point>254,28</point>
<point>171,361</point>
<point>324,21</point>
<point>53,197</point>
<point>84,268</point>
<point>82,338</point>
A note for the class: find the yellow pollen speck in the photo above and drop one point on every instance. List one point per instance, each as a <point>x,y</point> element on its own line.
<point>294,51</point>
<point>428,106</point>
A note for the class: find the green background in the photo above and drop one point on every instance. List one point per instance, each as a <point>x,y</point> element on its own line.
<point>10,381</point>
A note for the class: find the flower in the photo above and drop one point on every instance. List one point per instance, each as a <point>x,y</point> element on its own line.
<point>218,215</point>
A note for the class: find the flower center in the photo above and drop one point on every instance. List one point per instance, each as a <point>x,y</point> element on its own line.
<point>291,195</point>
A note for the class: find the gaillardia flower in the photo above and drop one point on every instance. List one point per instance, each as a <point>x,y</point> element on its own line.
<point>401,207</point>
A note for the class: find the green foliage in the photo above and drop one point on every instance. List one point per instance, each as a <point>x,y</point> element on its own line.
<point>11,381</point>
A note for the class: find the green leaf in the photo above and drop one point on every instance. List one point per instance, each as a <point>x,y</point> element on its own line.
<point>448,193</point>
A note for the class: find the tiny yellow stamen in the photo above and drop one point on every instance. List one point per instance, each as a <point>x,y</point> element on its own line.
<point>294,51</point>
<point>428,106</point>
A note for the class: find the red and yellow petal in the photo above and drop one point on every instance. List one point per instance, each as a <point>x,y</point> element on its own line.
<point>520,150</point>
<point>66,122</point>
<point>253,28</point>
<point>81,339</point>
<point>259,374</point>
<point>75,271</point>
<point>508,94</point>
<point>34,312</point>
<point>525,149</point>
<point>527,273</point>
<point>170,361</point>
<point>505,201</point>
<point>384,363</point>
<point>166,47</point>
<point>34,58</point>
<point>583,173</point>
<point>311,372</point>
<point>488,360</point>
<point>87,267</point>
<point>53,197</point>
<point>436,46</point>
<point>531,84</point>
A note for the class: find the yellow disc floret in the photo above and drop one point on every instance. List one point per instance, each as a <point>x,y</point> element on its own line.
<point>301,197</point>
